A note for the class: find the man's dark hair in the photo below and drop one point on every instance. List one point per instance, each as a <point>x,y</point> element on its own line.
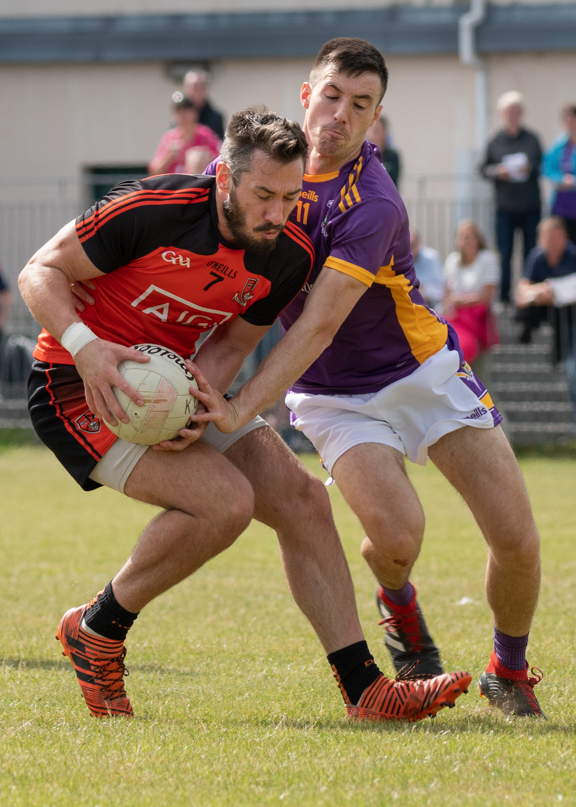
<point>352,57</point>
<point>258,129</point>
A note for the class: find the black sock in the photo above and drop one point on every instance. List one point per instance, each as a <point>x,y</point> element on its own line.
<point>354,669</point>
<point>106,616</point>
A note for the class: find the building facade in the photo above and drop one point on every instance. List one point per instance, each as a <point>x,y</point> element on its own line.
<point>82,91</point>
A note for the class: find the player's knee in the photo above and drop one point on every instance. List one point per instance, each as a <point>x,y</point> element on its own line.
<point>400,533</point>
<point>303,501</point>
<point>240,506</point>
<point>520,547</point>
<point>399,553</point>
<point>228,516</point>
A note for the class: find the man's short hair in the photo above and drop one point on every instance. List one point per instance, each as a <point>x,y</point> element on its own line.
<point>353,57</point>
<point>557,222</point>
<point>198,73</point>
<point>258,129</point>
<point>509,99</point>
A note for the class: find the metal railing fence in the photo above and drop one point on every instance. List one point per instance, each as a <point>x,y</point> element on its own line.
<point>33,209</point>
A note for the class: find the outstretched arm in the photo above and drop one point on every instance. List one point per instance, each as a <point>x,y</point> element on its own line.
<point>220,358</point>
<point>45,286</point>
<point>331,300</point>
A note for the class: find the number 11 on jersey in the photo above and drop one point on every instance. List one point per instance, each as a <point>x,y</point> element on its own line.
<point>302,212</point>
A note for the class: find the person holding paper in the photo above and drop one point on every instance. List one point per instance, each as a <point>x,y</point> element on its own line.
<point>512,161</point>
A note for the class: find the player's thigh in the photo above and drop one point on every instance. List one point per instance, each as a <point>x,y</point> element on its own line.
<point>198,481</point>
<point>285,491</point>
<point>482,467</point>
<point>374,482</point>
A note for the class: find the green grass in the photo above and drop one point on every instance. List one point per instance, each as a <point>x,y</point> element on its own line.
<point>235,701</point>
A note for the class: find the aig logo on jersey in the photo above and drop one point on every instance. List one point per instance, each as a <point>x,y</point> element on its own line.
<point>170,308</point>
<point>247,292</point>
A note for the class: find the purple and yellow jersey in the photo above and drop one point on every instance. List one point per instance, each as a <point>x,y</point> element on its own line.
<point>359,226</point>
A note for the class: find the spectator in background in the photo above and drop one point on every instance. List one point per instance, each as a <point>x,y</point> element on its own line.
<point>472,277</point>
<point>428,266</point>
<point>170,157</point>
<point>560,168</point>
<point>378,134</point>
<point>548,291</point>
<point>196,84</point>
<point>512,162</point>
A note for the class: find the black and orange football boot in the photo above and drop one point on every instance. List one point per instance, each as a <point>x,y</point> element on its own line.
<point>99,666</point>
<point>406,699</point>
<point>511,691</point>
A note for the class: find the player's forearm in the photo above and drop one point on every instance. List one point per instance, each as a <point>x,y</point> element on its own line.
<point>330,302</point>
<point>283,366</point>
<point>220,362</point>
<point>46,291</point>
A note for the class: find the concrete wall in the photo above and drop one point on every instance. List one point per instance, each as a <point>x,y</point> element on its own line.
<point>58,119</point>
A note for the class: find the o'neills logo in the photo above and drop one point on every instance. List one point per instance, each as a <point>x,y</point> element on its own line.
<point>247,292</point>
<point>174,257</point>
<point>312,195</point>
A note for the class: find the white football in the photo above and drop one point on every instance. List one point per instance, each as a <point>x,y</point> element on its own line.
<point>164,383</point>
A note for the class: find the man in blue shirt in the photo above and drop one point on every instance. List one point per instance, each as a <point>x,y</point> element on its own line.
<point>555,256</point>
<point>542,298</point>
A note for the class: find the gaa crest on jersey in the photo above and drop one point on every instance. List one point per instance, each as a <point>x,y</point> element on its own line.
<point>247,292</point>
<point>88,422</point>
<point>323,227</point>
<point>465,371</point>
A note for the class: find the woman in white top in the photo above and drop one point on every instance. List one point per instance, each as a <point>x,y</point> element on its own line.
<point>472,277</point>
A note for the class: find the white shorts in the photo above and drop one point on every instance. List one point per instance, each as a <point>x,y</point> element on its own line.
<point>118,462</point>
<point>411,414</point>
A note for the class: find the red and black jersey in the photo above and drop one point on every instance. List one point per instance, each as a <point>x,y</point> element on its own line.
<point>169,274</point>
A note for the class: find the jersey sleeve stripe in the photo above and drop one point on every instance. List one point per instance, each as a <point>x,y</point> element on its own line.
<point>350,187</point>
<point>296,234</point>
<point>300,233</point>
<point>142,203</point>
<point>350,269</point>
<point>104,210</point>
<point>97,221</point>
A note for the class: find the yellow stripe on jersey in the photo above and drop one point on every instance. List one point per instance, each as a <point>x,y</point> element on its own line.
<point>486,399</point>
<point>350,269</point>
<point>425,334</point>
<point>320,177</point>
<point>350,187</point>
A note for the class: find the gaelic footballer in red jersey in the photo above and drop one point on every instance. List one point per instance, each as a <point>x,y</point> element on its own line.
<point>164,265</point>
<point>170,258</point>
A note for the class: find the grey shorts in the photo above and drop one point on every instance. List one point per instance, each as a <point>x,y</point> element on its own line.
<point>117,463</point>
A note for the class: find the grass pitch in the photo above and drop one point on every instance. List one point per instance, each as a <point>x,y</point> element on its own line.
<point>235,701</point>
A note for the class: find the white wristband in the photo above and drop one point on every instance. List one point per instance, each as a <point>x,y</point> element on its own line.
<point>76,336</point>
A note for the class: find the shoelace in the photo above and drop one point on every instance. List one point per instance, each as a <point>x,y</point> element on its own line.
<point>111,674</point>
<point>408,623</point>
<point>528,687</point>
<point>538,676</point>
<point>405,672</point>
